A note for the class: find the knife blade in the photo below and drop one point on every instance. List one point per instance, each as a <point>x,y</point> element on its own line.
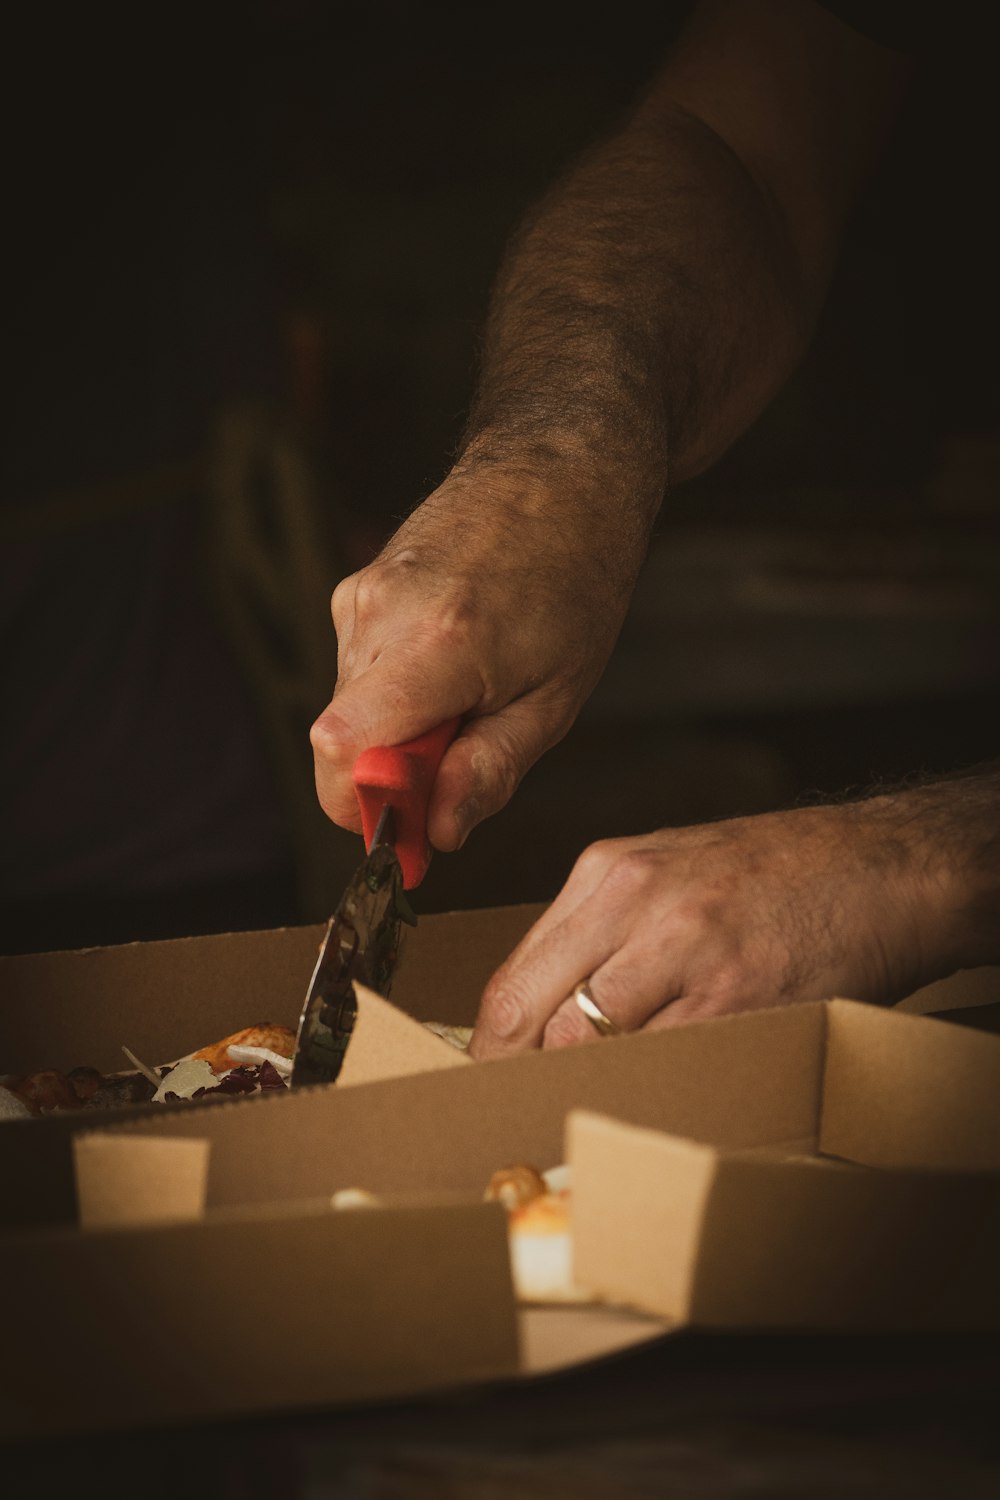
<point>362,939</point>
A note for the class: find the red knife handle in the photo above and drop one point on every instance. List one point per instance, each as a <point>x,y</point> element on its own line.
<point>402,776</point>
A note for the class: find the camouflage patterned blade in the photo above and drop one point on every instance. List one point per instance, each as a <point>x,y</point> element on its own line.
<point>361,942</point>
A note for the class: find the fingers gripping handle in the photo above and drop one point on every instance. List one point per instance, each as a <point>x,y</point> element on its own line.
<point>403,776</point>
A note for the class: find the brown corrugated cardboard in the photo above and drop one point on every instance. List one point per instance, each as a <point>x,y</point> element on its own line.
<point>252,1312</point>
<point>387,1043</point>
<point>815,1246</point>
<point>120,1180</point>
<point>907,1093</point>
<point>639,1199</point>
<point>674,1227</point>
<point>727,1116</point>
<point>968,989</point>
<point>557,1338</point>
<point>165,999</point>
<point>740,1082</point>
<point>449,1129</point>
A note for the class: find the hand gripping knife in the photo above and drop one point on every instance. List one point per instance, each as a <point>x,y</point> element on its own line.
<point>362,939</point>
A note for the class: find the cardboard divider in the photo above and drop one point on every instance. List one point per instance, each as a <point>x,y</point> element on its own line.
<point>820,1246</point>
<point>690,1233</point>
<point>966,989</point>
<point>903,1091</point>
<point>387,1043</point>
<point>138,1180</point>
<point>555,1338</point>
<point>638,1200</point>
<point>450,1130</point>
<point>239,1314</point>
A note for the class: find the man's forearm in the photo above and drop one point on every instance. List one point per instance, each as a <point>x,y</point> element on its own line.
<point>659,295</point>
<point>643,316</point>
<point>945,835</point>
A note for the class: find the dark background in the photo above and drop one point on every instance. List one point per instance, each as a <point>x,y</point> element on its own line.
<point>249,267</point>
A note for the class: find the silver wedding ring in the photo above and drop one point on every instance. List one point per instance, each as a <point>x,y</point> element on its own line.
<point>593,1012</point>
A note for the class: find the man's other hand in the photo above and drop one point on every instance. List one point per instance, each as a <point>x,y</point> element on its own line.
<point>689,923</point>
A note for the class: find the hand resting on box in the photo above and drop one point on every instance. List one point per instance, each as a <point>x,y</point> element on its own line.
<point>868,900</point>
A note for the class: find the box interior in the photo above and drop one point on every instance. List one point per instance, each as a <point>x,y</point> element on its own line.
<point>827,1165</point>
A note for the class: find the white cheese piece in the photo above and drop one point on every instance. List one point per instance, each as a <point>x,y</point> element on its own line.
<point>558,1179</point>
<point>183,1080</point>
<point>11,1107</point>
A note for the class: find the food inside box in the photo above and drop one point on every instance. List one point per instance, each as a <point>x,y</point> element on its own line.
<point>828,1165</point>
<point>654,1194</point>
<point>168,999</point>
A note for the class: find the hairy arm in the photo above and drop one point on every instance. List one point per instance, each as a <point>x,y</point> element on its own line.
<point>655,300</point>
<point>644,315</point>
<point>869,900</point>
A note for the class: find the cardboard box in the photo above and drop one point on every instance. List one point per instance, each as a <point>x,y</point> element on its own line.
<point>712,1184</point>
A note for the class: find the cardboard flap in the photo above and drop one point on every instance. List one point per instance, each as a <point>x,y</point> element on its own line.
<point>698,1236</point>
<point>828,1245</point>
<point>963,990</point>
<point>638,1199</point>
<point>250,1313</point>
<point>123,1179</point>
<point>907,1091</point>
<point>387,1043</point>
<point>163,999</point>
<point>556,1338</point>
<point>447,961</point>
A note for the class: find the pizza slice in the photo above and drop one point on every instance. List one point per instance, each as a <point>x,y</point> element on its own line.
<point>252,1060</point>
<point>260,1059</point>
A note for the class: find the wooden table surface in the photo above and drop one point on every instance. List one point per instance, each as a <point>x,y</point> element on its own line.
<point>698,1416</point>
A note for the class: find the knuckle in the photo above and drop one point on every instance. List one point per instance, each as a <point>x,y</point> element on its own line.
<point>504,1011</point>
<point>616,987</point>
<point>596,860</point>
<point>326,738</point>
<point>448,629</point>
<point>629,872</point>
<point>724,982</point>
<point>342,602</point>
<point>440,619</point>
<point>319,737</point>
<point>368,592</point>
